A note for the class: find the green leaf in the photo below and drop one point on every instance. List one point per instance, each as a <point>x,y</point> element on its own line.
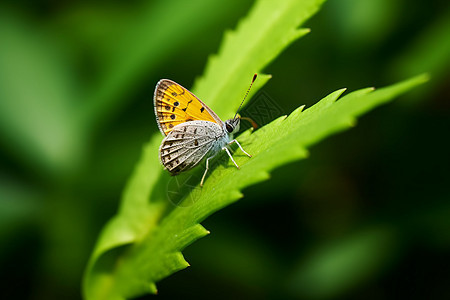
<point>259,38</point>
<point>156,232</point>
<point>160,215</point>
<point>429,52</point>
<point>269,28</point>
<point>335,267</point>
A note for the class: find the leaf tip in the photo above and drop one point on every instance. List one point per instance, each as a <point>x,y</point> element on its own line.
<point>183,264</point>
<point>265,76</point>
<point>152,288</point>
<point>301,32</point>
<point>423,77</point>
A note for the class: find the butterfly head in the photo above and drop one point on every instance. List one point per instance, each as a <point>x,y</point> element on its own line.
<point>231,126</point>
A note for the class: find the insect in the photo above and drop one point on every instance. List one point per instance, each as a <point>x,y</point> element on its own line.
<point>192,130</point>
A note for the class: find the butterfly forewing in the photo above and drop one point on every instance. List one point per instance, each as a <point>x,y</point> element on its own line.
<point>175,105</point>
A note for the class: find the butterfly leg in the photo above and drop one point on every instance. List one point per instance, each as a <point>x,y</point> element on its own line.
<point>240,147</point>
<point>206,170</point>
<point>229,154</point>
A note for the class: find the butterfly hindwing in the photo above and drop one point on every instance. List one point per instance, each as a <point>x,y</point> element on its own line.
<point>175,105</point>
<point>187,144</point>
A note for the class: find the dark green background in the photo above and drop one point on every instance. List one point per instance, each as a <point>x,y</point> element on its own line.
<point>378,191</point>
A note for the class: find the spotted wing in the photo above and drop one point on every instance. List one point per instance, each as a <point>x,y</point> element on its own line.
<point>187,144</point>
<point>175,105</point>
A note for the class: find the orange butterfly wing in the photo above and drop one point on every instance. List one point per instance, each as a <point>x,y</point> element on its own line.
<point>175,105</point>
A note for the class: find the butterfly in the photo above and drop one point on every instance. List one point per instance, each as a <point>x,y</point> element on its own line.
<point>192,130</point>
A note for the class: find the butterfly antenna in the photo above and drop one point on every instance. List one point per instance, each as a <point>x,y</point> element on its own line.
<point>253,80</point>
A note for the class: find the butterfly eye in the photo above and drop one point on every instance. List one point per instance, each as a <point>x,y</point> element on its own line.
<point>229,128</point>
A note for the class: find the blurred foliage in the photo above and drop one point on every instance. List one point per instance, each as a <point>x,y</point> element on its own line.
<point>76,85</point>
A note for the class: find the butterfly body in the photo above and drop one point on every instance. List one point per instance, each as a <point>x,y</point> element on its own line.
<point>193,132</point>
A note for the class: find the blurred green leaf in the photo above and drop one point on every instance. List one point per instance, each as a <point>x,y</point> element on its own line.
<point>365,23</point>
<point>334,268</point>
<point>36,97</point>
<point>429,52</point>
<point>18,202</point>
